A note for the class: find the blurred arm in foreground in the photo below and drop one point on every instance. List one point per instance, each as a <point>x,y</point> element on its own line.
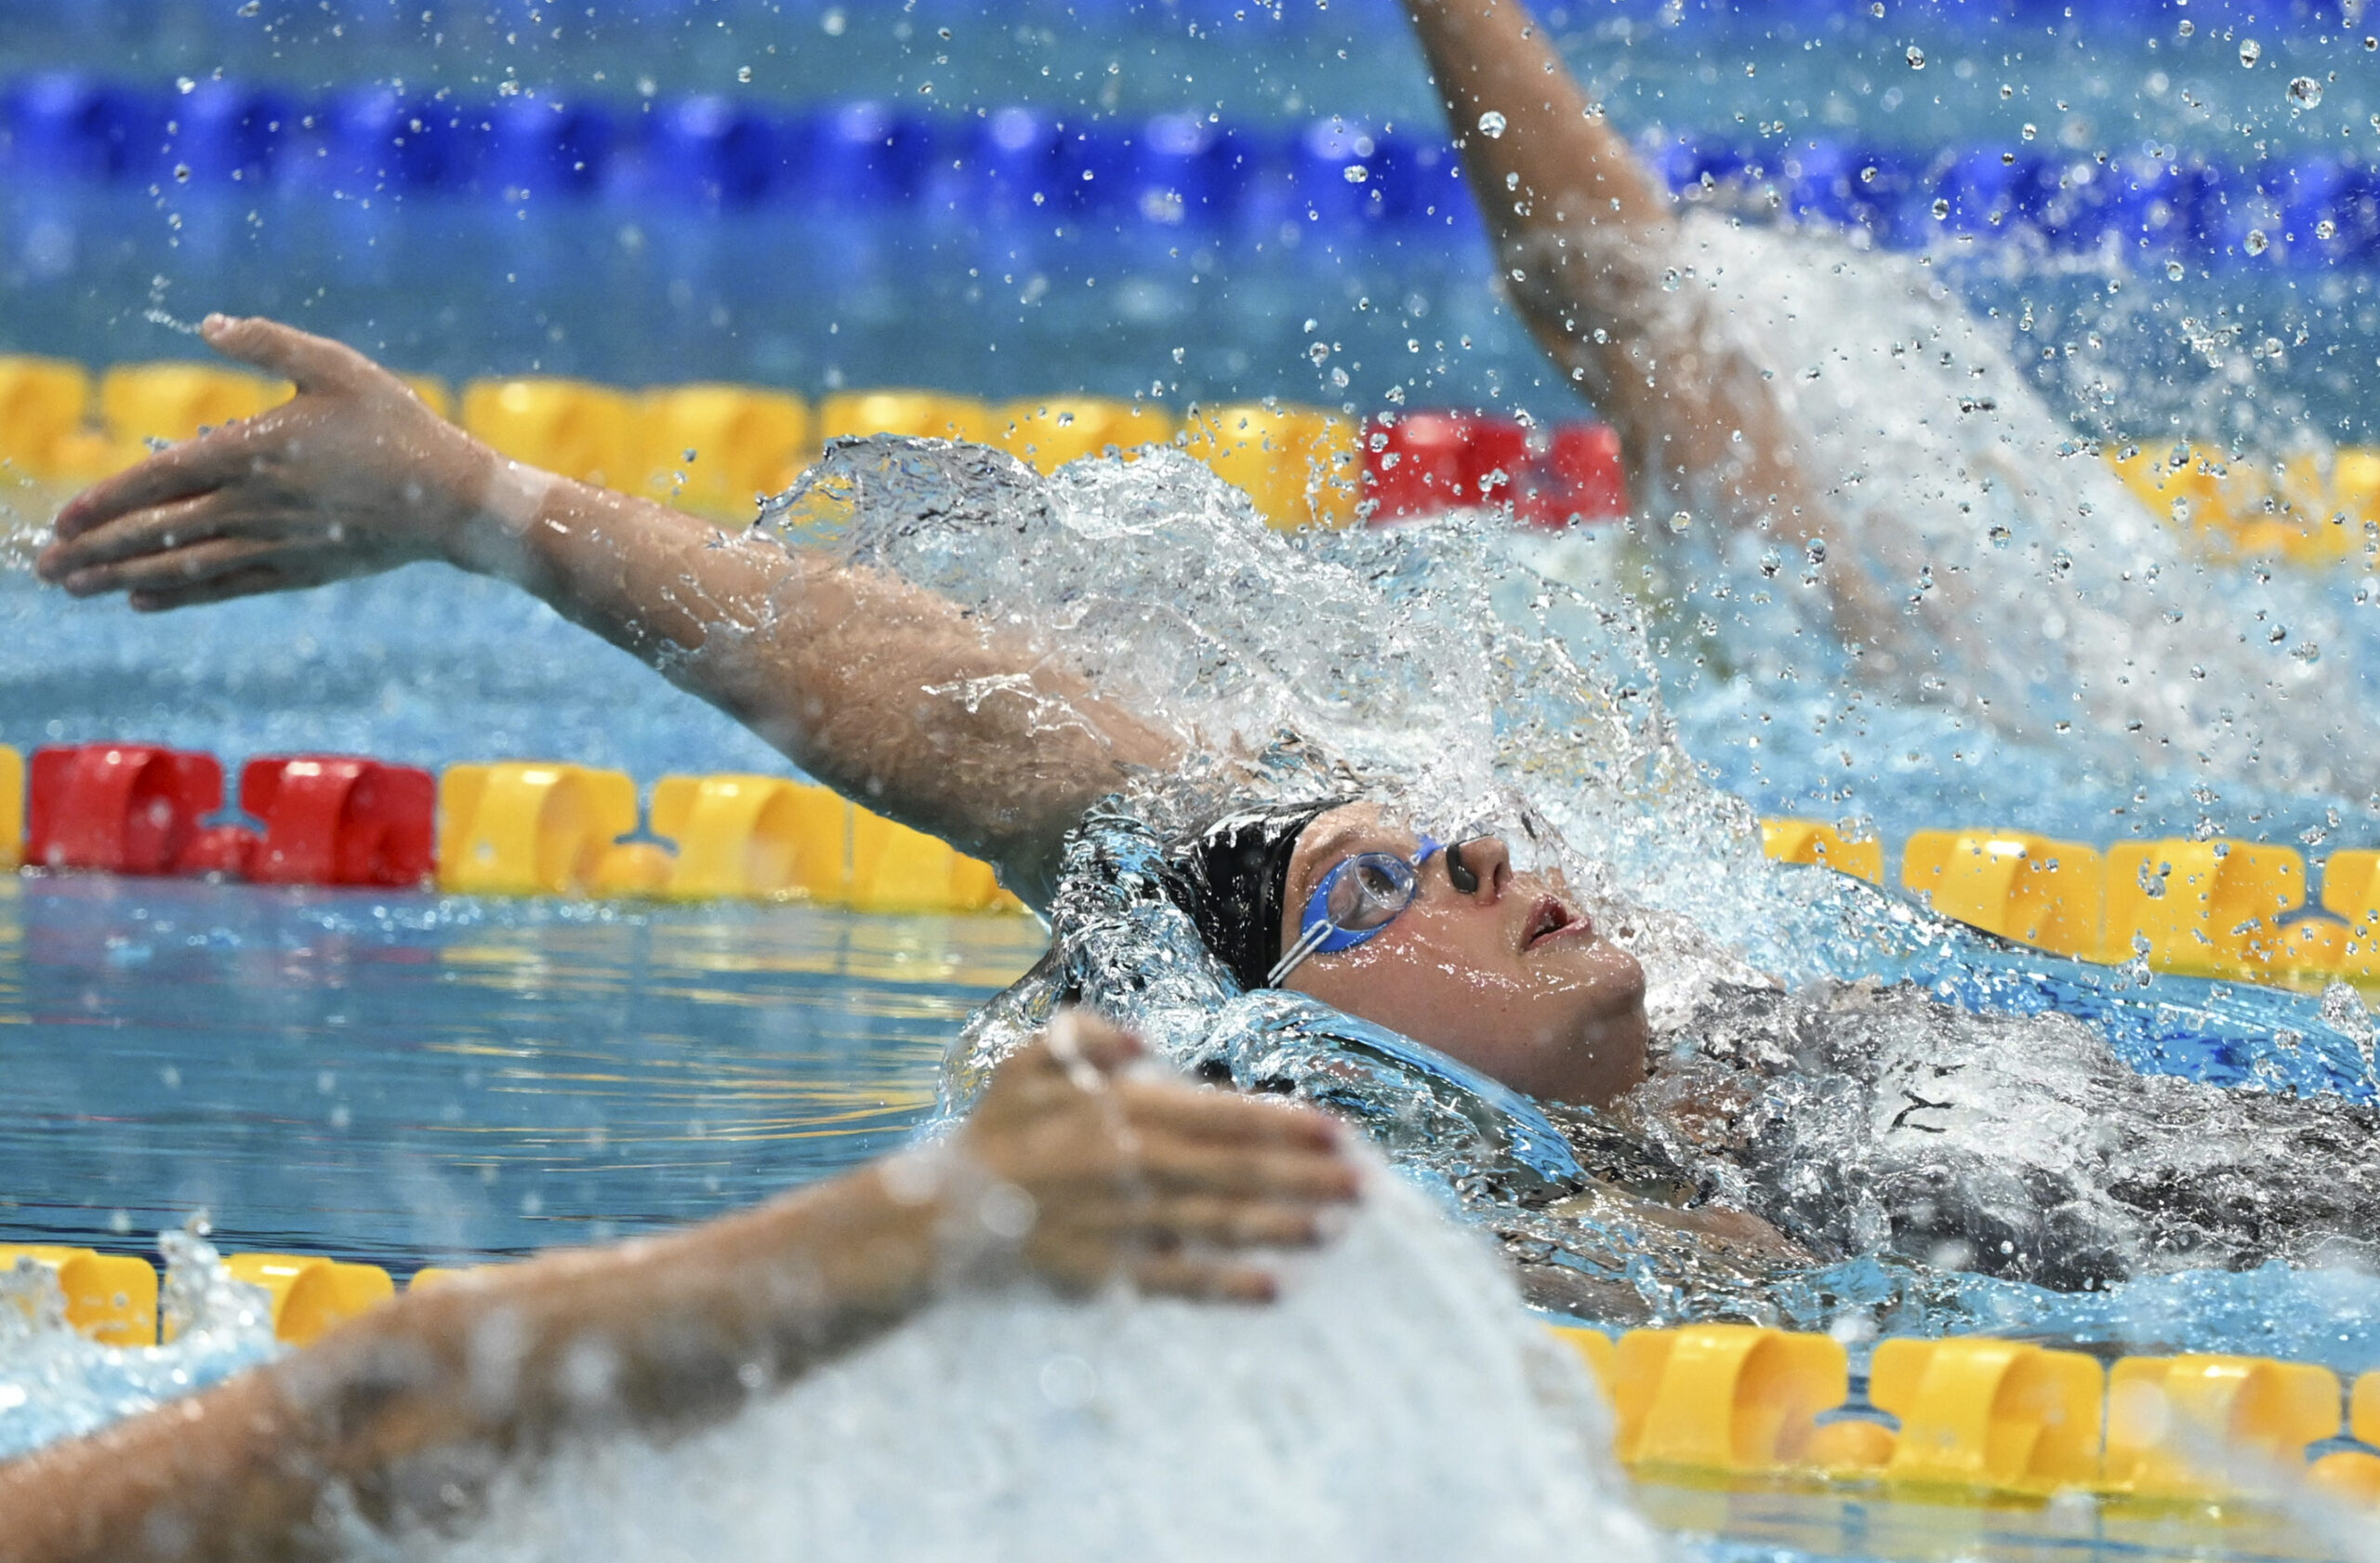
<point>830,663</point>
<point>1069,1169</point>
<point>1588,243</point>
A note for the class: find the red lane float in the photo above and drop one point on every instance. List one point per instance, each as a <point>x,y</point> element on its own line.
<point>1425,463</point>
<point>339,819</point>
<point>119,808</point>
<point>1577,477</point>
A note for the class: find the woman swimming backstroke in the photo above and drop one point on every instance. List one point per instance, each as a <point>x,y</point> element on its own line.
<point>1779,1129</point>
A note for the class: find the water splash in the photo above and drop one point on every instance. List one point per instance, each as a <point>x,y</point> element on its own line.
<point>1439,667</point>
<point>2041,597</point>
<point>1396,1402</point>
<point>56,1383</point>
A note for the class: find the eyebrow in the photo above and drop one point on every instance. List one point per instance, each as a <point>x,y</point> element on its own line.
<point>1321,848</point>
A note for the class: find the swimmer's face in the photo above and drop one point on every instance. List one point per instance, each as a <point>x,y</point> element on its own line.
<point>1510,978</point>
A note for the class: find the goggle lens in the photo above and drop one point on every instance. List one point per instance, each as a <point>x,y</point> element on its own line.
<point>1369,890</point>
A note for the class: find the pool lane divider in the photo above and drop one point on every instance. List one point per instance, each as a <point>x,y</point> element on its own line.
<point>1964,1418</point>
<point>1017,168</point>
<point>2218,908</point>
<point>714,449</point>
<point>510,827</point>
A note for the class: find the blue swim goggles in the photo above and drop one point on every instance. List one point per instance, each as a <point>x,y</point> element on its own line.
<point>1360,895</point>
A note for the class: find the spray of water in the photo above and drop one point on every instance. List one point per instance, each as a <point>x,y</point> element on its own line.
<point>56,1383</point>
<point>1396,1402</point>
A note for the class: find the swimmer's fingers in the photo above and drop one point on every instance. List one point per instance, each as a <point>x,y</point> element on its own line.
<point>181,566</point>
<point>1203,1281</point>
<point>310,363</point>
<point>155,529</point>
<point>256,580</point>
<point>1213,1221</point>
<point>1170,1165</point>
<point>1223,1117</point>
<point>218,460</point>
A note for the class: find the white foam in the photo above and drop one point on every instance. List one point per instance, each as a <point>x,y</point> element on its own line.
<point>1398,1402</point>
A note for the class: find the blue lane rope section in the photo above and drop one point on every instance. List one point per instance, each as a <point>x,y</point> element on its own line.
<point>1024,165</point>
<point>2278,18</point>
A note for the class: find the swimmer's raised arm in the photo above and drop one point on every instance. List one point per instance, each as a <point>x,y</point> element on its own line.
<point>1585,239</point>
<point>412,1409</point>
<point>832,664</point>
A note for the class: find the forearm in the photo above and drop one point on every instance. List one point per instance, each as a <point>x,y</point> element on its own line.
<point>409,1408</point>
<point>1557,162</point>
<point>884,691</point>
<point>1592,257</point>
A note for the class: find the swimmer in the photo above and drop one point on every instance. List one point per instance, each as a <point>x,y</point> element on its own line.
<point>839,668</point>
<point>1587,238</point>
<point>1129,1178</point>
<point>1772,1129</point>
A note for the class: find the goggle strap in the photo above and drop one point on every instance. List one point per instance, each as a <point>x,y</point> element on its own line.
<point>1294,957</point>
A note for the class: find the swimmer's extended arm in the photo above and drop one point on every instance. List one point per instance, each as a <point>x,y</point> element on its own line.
<point>412,1409</point>
<point>882,690</point>
<point>1587,242</point>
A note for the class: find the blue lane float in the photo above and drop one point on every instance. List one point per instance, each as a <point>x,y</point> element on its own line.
<point>1022,165</point>
<point>2311,19</point>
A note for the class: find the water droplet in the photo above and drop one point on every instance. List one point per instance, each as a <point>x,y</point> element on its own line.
<point>1491,125</point>
<point>2175,271</point>
<point>744,73</point>
<point>2188,27</point>
<point>1877,9</point>
<point>1357,173</point>
<point>1318,353</point>
<point>1998,535</point>
<point>1941,208</point>
<point>2250,52</point>
<point>1916,58</point>
<point>2257,244</point>
<point>1669,280</point>
<point>1680,522</point>
<point>2326,229</point>
<point>2306,92</point>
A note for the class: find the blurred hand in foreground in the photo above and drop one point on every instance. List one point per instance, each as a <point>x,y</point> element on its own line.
<point>1107,1172</point>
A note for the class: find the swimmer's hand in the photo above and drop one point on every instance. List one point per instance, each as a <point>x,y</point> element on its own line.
<point>353,475</point>
<point>1144,1178</point>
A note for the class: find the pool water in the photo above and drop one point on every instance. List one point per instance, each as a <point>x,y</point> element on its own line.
<point>410,1079</point>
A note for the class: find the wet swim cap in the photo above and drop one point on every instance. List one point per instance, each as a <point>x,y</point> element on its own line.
<point>1232,876</point>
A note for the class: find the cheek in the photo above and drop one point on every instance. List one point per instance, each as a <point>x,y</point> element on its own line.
<point>1428,982</point>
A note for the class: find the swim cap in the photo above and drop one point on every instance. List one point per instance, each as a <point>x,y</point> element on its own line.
<point>1232,877</point>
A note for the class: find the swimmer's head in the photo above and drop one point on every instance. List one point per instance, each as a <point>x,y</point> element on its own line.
<point>1230,875</point>
<point>1498,968</point>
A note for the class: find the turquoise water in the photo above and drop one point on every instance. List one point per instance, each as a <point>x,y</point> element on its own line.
<point>409,1079</point>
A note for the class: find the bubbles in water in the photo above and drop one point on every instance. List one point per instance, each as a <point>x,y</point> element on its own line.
<point>2255,242</point>
<point>1357,173</point>
<point>2175,271</point>
<point>1941,208</point>
<point>1916,58</point>
<point>2306,92</point>
<point>2250,52</point>
<point>2326,229</point>
<point>1491,125</point>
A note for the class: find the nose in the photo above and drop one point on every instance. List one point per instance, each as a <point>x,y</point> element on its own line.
<point>1479,868</point>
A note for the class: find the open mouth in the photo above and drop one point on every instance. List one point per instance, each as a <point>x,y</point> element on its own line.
<point>1548,919</point>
